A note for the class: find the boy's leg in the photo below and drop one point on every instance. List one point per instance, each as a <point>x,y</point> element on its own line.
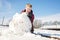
<point>32,29</point>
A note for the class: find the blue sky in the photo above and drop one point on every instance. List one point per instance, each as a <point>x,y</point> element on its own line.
<point>40,7</point>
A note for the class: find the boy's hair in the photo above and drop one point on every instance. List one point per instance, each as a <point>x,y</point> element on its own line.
<point>29,5</point>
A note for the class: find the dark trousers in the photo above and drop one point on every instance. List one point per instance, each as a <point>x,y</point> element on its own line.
<point>32,29</point>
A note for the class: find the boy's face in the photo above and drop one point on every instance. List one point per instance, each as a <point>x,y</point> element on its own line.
<point>28,9</point>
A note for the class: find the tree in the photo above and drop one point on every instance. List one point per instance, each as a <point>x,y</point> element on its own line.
<point>37,23</point>
<point>55,23</point>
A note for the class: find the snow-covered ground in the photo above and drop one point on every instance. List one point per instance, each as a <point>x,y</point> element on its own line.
<point>26,36</point>
<point>50,27</point>
<point>52,33</point>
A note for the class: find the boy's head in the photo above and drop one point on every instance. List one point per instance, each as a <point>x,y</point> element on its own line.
<point>28,7</point>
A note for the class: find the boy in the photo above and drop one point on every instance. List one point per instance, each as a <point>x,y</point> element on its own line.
<point>28,10</point>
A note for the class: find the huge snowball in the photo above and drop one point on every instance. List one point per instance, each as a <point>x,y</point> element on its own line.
<point>20,23</point>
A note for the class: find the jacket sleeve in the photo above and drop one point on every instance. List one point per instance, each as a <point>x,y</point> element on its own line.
<point>23,11</point>
<point>32,18</point>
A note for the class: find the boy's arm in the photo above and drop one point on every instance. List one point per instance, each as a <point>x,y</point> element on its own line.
<point>23,11</point>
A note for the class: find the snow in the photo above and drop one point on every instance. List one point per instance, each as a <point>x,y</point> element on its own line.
<point>52,18</point>
<point>50,27</point>
<point>26,36</point>
<point>19,29</point>
<point>51,33</point>
<point>5,22</point>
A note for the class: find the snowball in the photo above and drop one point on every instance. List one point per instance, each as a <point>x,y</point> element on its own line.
<point>20,23</point>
